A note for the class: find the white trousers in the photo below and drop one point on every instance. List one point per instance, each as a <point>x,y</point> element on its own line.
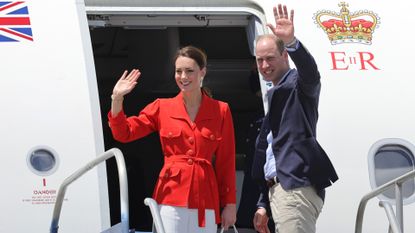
<point>184,220</point>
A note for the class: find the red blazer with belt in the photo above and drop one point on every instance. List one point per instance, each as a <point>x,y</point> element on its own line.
<point>199,156</point>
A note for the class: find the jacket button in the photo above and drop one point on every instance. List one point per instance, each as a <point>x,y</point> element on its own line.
<point>191,140</point>
<point>190,161</point>
<point>166,175</point>
<point>170,134</point>
<point>190,152</point>
<point>212,137</point>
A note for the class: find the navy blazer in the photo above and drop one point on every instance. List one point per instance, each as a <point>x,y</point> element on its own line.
<point>292,117</point>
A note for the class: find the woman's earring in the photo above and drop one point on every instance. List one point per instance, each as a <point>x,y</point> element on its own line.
<point>201,81</point>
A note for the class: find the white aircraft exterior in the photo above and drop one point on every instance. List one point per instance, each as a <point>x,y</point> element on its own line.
<point>51,104</point>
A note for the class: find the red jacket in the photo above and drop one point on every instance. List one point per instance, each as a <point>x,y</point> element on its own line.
<point>199,156</point>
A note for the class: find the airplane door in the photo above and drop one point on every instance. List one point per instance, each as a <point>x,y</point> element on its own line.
<point>125,39</point>
<point>50,117</point>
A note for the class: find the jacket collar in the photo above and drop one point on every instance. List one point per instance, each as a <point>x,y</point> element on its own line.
<point>205,110</point>
<point>280,83</point>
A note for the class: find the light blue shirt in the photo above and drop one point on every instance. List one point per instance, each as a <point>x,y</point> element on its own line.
<point>270,170</point>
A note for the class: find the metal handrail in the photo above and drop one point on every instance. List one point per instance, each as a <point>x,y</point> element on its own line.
<point>397,226</point>
<point>155,212</point>
<point>393,222</point>
<point>122,175</point>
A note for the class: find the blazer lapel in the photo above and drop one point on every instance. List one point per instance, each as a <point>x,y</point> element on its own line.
<point>178,110</point>
<point>206,110</point>
<point>276,87</point>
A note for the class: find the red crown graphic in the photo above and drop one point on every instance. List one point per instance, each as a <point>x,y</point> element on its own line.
<point>345,27</point>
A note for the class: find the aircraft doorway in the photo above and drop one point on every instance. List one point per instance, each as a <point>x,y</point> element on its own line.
<point>229,76</point>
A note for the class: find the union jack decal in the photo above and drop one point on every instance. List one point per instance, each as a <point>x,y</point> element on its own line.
<point>15,22</point>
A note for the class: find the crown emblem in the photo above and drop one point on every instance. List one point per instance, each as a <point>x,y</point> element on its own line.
<point>346,27</point>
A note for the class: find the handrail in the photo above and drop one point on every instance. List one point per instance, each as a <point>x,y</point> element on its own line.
<point>397,182</point>
<point>393,222</point>
<point>122,175</point>
<point>155,212</point>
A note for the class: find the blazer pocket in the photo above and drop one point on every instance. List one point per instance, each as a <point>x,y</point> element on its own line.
<point>170,173</point>
<point>310,151</point>
<point>317,165</point>
<point>170,132</point>
<point>210,135</point>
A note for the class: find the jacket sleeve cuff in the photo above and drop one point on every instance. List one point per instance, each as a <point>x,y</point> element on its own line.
<point>263,202</point>
<point>228,198</point>
<point>114,120</point>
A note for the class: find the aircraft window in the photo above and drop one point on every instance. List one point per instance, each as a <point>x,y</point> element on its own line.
<point>392,161</point>
<point>42,161</point>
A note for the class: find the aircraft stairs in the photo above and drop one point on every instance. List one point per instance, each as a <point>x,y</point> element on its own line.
<point>391,166</point>
<point>123,225</point>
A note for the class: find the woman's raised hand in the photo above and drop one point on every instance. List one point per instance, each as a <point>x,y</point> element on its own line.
<point>125,84</point>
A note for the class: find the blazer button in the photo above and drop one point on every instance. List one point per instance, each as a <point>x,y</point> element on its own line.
<point>170,134</point>
<point>191,140</point>
<point>190,161</point>
<point>166,175</point>
<point>212,137</point>
<point>190,152</point>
